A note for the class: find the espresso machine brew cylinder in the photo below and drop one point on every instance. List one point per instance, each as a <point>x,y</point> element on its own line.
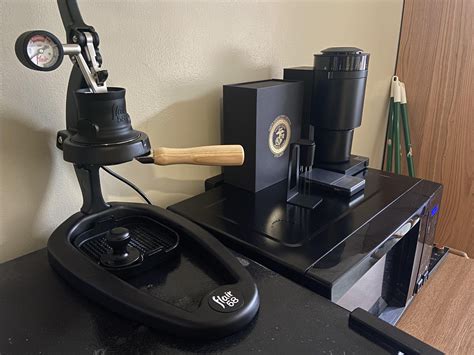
<point>340,76</point>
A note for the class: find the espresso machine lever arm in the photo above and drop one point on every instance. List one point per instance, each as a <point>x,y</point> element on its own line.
<point>83,47</point>
<point>215,155</point>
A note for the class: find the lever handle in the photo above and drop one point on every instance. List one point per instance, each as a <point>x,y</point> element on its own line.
<point>216,155</point>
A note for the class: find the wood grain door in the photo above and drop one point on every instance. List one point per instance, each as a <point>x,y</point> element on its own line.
<point>436,62</point>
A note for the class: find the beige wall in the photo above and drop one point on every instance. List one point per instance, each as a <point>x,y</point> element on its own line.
<point>173,57</point>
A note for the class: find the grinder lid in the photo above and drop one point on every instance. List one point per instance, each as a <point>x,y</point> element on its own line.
<point>341,59</point>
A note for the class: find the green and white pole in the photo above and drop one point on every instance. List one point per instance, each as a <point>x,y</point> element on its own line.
<point>388,166</point>
<point>397,96</point>
<point>406,130</point>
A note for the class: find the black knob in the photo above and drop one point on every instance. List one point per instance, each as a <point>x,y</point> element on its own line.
<point>121,254</point>
<point>118,239</point>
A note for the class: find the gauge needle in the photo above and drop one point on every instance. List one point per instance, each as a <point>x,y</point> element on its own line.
<point>39,51</point>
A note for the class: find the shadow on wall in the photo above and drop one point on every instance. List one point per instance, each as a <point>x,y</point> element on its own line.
<point>26,149</point>
<point>189,123</point>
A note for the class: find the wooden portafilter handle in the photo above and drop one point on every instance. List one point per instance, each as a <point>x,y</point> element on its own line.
<point>216,155</point>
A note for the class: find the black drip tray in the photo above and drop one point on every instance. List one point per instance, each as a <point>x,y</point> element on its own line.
<point>184,281</point>
<point>177,278</point>
<point>155,242</point>
<point>180,279</point>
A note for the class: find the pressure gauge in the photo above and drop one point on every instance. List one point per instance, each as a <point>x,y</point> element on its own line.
<point>39,50</point>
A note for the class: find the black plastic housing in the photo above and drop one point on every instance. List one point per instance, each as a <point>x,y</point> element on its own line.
<point>304,74</point>
<point>103,118</point>
<point>333,146</point>
<point>338,99</point>
<point>340,76</point>
<point>104,134</point>
<point>125,297</point>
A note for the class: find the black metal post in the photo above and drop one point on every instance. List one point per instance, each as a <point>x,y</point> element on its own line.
<point>89,180</point>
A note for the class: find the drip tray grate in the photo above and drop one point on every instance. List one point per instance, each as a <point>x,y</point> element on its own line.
<point>149,238</point>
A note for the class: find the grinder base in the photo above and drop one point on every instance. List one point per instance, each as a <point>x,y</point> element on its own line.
<point>353,167</point>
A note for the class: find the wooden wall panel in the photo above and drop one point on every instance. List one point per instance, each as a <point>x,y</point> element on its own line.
<point>436,62</point>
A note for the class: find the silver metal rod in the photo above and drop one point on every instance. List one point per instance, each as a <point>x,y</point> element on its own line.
<point>88,75</point>
<point>71,49</point>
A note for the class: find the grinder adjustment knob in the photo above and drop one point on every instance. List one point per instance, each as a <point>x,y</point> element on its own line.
<point>121,254</point>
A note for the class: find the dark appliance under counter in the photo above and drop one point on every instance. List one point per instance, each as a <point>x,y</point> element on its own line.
<point>371,251</point>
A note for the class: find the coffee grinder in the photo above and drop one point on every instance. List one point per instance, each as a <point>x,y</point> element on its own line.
<point>126,256</point>
<point>333,103</point>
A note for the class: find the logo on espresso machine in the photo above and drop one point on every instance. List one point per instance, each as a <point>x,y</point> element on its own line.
<point>225,300</point>
<point>119,114</point>
<point>279,135</point>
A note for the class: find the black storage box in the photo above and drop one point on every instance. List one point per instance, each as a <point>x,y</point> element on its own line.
<point>306,75</point>
<point>265,118</point>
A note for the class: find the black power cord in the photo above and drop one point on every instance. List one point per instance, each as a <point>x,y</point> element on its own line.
<point>125,181</point>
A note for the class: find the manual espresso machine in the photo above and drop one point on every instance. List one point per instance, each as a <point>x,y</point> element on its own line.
<point>128,256</point>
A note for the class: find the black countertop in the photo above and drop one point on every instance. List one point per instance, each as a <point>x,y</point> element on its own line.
<point>41,314</point>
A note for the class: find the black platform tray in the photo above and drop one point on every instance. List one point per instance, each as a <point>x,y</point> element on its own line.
<point>41,314</point>
<point>316,247</point>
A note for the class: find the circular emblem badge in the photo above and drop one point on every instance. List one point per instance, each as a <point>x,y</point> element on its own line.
<point>279,135</point>
<point>225,300</point>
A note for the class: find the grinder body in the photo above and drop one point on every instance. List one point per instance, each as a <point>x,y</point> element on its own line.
<point>339,81</point>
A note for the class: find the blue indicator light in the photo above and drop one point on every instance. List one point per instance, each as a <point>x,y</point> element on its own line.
<point>434,210</point>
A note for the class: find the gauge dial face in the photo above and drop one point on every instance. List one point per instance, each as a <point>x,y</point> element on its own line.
<point>42,51</point>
